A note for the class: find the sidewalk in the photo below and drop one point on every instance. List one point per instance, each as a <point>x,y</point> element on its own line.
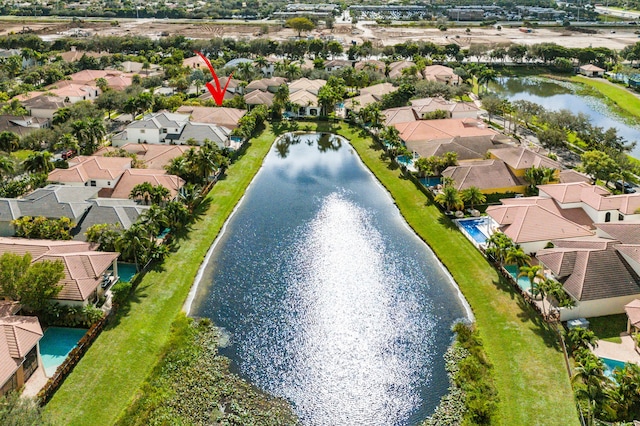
<point>624,351</point>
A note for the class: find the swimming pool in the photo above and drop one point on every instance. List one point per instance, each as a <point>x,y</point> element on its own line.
<point>56,344</point>
<point>610,365</point>
<point>430,181</point>
<point>404,160</point>
<point>126,271</point>
<point>476,228</point>
<point>523,282</point>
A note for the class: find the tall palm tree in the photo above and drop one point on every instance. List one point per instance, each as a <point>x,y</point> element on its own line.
<point>133,242</point>
<point>498,245</point>
<point>61,115</point>
<point>142,191</point>
<point>38,162</point>
<point>154,219</point>
<point>190,195</point>
<point>532,272</point>
<point>450,198</point>
<point>590,384</point>
<point>486,76</point>
<point>159,194</point>
<point>7,166</point>
<point>473,196</point>
<point>177,215</point>
<point>515,255</point>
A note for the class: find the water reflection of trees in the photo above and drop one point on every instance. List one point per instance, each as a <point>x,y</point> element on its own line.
<point>328,141</point>
<point>533,86</point>
<point>284,143</point>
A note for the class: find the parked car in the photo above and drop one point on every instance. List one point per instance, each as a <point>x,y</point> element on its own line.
<point>624,187</point>
<point>68,154</point>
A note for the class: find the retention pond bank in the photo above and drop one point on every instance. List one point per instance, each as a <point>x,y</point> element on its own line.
<point>327,298</point>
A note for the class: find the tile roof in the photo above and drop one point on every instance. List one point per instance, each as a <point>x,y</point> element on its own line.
<point>154,156</point>
<point>226,117</point>
<point>45,102</point>
<point>590,268</point>
<point>52,201</point>
<point>258,97</point>
<point>442,129</point>
<point>22,125</point>
<point>358,102</point>
<point>83,267</point>
<point>572,176</point>
<point>594,196</point>
<point>467,148</point>
<point>534,220</point>
<point>632,310</point>
<point>76,91</point>
<point>625,232</point>
<point>86,168</point>
<point>440,73</point>
<point>18,336</point>
<point>395,68</point>
<point>9,307</point>
<point>304,84</point>
<point>133,177</point>
<point>591,67</point>
<point>400,115</point>
<point>484,174</point>
<point>379,90</point>
<point>202,131</point>
<point>370,63</point>
<point>123,212</point>
<point>303,98</point>
<point>265,83</point>
<point>519,158</point>
<point>570,192</point>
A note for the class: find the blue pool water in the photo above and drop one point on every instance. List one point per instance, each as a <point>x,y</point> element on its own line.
<point>56,344</point>
<point>523,282</point>
<point>610,365</point>
<point>126,271</point>
<point>164,233</point>
<point>431,181</point>
<point>404,160</point>
<point>473,228</point>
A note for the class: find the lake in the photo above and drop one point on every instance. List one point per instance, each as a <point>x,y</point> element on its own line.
<point>325,296</point>
<point>555,95</point>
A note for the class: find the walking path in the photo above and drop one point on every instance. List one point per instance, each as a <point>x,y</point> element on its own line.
<point>625,351</point>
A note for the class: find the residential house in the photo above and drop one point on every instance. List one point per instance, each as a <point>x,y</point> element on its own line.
<point>74,55</point>
<point>379,90</point>
<point>441,74</point>
<point>520,159</point>
<point>265,85</point>
<point>336,65</point>
<point>598,203</point>
<point>194,62</point>
<point>143,69</point>
<point>304,84</point>
<point>52,202</point>
<point>19,337</point>
<point>151,155</point>
<point>370,64</point>
<point>85,270</point>
<point>24,125</point>
<point>132,177</point>
<point>395,68</point>
<point>113,211</point>
<point>306,102</point>
<point>572,176</point>
<point>591,70</point>
<point>533,222</point>
<point>595,272</point>
<point>44,106</point>
<point>73,93</point>
<point>92,171</point>
<point>258,97</point>
<point>490,176</point>
<point>200,132</point>
<point>369,95</point>
<point>116,80</point>
<point>225,117</point>
<point>466,148</point>
<point>454,109</point>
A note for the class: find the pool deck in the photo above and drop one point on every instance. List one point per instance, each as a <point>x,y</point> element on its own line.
<point>624,351</point>
<point>35,382</point>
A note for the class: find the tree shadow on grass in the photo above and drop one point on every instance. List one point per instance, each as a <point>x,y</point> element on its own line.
<point>540,326</point>
<point>282,127</point>
<point>447,223</point>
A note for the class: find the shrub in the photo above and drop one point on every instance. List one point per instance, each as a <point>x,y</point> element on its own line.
<point>121,291</point>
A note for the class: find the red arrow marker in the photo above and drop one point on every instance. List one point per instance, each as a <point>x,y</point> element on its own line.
<point>216,92</point>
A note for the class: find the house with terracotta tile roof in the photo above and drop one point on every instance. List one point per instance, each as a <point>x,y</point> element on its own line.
<point>23,125</point>
<point>453,109</point>
<point>369,95</point>
<point>490,176</point>
<point>306,103</point>
<point>85,269</point>
<point>76,92</point>
<point>595,272</point>
<point>117,80</point>
<point>379,90</point>
<point>533,222</point>
<point>370,64</point>
<point>151,155</point>
<point>304,84</point>
<point>336,64</point>
<point>222,116</point>
<point>44,105</point>
<point>625,232</point>
<point>258,97</point>
<point>265,85</point>
<point>591,70</point>
<point>92,171</point>
<point>596,201</point>
<point>441,74</point>
<point>573,176</point>
<point>19,337</point>
<point>74,55</point>
<point>395,68</point>
<point>520,159</point>
<point>133,177</point>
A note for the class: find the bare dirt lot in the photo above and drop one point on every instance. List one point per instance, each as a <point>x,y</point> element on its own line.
<point>379,35</point>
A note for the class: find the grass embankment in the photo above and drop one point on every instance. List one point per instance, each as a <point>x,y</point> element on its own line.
<point>608,328</point>
<point>530,376</point>
<point>620,99</point>
<point>108,377</point>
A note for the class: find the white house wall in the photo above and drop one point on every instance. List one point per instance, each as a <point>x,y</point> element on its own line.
<point>597,308</point>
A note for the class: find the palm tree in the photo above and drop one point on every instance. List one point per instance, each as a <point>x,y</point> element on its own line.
<point>498,245</point>
<point>142,191</point>
<point>9,141</point>
<point>473,196</point>
<point>532,272</point>
<point>61,115</point>
<point>7,166</point>
<point>177,215</point>
<point>38,162</point>
<point>487,75</point>
<point>154,220</point>
<point>590,384</point>
<point>450,198</point>
<point>291,71</point>
<point>515,255</point>
<point>66,142</point>
<point>190,195</point>
<point>159,194</point>
<point>133,242</point>
<point>96,132</point>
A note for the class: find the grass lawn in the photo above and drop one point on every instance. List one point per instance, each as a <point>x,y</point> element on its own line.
<point>619,97</point>
<point>609,328</point>
<point>22,154</point>
<point>531,379</point>
<point>108,377</point>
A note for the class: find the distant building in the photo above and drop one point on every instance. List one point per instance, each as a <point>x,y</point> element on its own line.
<point>591,70</point>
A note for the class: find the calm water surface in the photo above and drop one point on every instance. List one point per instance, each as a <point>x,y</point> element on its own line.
<point>555,96</point>
<point>327,298</point>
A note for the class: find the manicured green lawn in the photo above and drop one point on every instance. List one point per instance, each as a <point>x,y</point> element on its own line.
<point>609,328</point>
<point>618,96</point>
<point>531,379</point>
<point>21,154</point>
<point>108,377</point>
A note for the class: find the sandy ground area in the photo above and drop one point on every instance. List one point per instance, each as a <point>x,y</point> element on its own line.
<point>346,33</point>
